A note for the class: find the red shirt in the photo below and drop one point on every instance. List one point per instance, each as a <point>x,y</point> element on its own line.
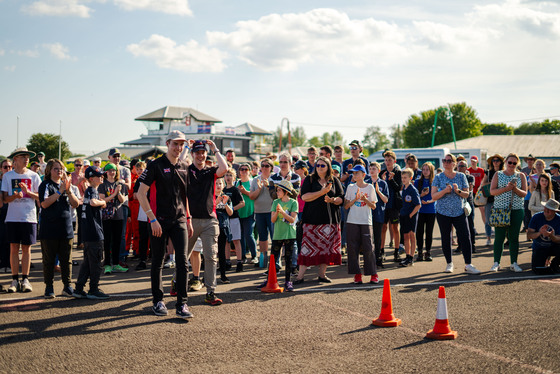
<point>478,175</point>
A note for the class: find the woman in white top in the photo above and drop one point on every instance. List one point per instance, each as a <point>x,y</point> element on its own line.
<point>542,193</point>
<point>360,199</point>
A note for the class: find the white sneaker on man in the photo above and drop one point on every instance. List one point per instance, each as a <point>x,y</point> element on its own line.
<point>14,287</point>
<point>515,268</point>
<point>449,268</point>
<point>471,269</point>
<point>495,267</point>
<point>489,242</point>
<point>26,286</point>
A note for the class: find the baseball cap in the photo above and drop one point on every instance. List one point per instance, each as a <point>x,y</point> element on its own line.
<point>336,167</point>
<point>114,151</point>
<point>411,156</point>
<point>474,158</point>
<point>300,164</point>
<point>358,168</point>
<point>110,166</point>
<point>355,142</point>
<point>125,163</point>
<point>96,159</point>
<point>93,171</point>
<point>176,135</point>
<point>199,145</point>
<point>41,154</point>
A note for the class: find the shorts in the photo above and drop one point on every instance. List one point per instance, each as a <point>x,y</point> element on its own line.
<point>24,233</point>
<point>198,245</point>
<point>235,228</point>
<point>408,224</point>
<point>392,215</point>
<point>264,225</point>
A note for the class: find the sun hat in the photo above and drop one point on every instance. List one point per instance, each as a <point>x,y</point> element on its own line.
<point>552,205</point>
<point>21,151</point>
<point>285,185</point>
<point>489,160</point>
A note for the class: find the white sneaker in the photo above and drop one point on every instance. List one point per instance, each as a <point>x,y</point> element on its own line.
<point>169,264</point>
<point>26,286</point>
<point>471,269</point>
<point>14,287</point>
<point>489,242</point>
<point>495,267</point>
<point>449,268</point>
<point>515,268</point>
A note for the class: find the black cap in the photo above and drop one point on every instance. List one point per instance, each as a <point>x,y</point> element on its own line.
<point>93,171</point>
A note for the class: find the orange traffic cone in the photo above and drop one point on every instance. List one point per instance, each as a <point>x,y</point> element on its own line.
<point>272,285</point>
<point>441,330</point>
<point>386,317</point>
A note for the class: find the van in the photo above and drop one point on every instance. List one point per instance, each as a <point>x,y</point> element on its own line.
<point>433,155</point>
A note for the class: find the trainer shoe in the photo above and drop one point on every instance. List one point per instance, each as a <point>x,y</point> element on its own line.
<point>289,286</point>
<point>358,279</point>
<point>97,295</point>
<point>26,286</point>
<point>449,268</point>
<point>119,269</point>
<point>183,311</point>
<point>224,280</point>
<point>239,267</point>
<point>495,267</point>
<point>263,284</point>
<point>169,264</point>
<point>195,285</point>
<point>401,249</point>
<point>428,256</point>
<point>107,269</point>
<point>67,291</point>
<point>79,294</point>
<point>471,269</point>
<point>374,279</point>
<point>49,292</point>
<point>515,268</point>
<point>141,265</point>
<point>159,309</point>
<point>123,264</point>
<point>212,299</point>
<point>489,242</point>
<point>255,260</point>
<point>14,287</point>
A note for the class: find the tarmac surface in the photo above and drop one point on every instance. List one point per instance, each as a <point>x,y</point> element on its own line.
<point>505,323</point>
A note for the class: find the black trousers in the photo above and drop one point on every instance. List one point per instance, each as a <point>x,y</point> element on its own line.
<point>177,233</point>
<point>463,236</point>
<point>144,242</point>
<point>112,233</point>
<point>425,226</point>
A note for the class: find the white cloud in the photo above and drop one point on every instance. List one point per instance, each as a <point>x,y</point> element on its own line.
<point>284,41</point>
<point>189,57</point>
<point>177,7</point>
<point>59,51</point>
<point>11,68</point>
<point>2,52</point>
<point>28,53</point>
<point>60,8</point>
<point>539,18</point>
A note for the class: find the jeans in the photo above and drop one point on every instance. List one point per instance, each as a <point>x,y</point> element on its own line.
<point>463,236</point>
<point>248,243</point>
<point>177,233</point>
<point>264,226</point>
<point>91,267</point>
<point>488,212</point>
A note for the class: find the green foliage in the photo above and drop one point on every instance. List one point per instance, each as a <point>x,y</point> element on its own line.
<point>48,143</point>
<point>417,132</point>
<point>298,137</point>
<point>375,140</point>
<point>397,136</point>
<point>332,139</point>
<point>539,128</point>
<point>316,141</point>
<point>497,129</point>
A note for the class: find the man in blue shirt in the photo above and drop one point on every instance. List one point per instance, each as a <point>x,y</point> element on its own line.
<point>543,229</point>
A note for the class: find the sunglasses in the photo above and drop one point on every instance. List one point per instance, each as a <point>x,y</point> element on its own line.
<point>321,166</point>
<point>265,166</point>
<point>7,167</point>
<point>78,165</point>
<point>447,161</point>
<point>243,169</point>
<point>353,148</point>
<point>496,160</point>
<point>512,163</point>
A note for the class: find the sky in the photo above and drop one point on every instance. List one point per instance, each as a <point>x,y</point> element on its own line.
<point>91,66</point>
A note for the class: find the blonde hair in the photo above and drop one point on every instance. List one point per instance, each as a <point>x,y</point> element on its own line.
<point>232,171</point>
<point>514,155</point>
<point>376,164</point>
<point>407,171</point>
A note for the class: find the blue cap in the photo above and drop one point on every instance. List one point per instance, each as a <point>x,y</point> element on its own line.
<point>358,168</point>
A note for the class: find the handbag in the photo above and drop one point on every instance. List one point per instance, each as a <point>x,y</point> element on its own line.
<point>480,199</point>
<point>485,190</point>
<point>501,217</point>
<point>467,208</point>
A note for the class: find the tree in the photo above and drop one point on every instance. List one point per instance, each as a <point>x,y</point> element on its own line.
<point>48,143</point>
<point>316,141</point>
<point>397,135</point>
<point>539,128</point>
<point>298,137</point>
<point>497,129</point>
<point>417,132</point>
<point>375,140</point>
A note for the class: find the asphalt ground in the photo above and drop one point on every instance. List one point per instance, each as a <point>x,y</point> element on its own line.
<point>506,322</point>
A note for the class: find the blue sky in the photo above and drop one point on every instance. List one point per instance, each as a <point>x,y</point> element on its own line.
<point>95,65</point>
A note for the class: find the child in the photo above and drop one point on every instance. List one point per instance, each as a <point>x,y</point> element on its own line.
<point>224,210</point>
<point>408,217</point>
<point>234,223</point>
<point>360,199</point>
<point>93,238</point>
<point>284,211</point>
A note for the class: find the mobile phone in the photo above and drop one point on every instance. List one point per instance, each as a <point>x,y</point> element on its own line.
<point>425,189</point>
<point>329,182</point>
